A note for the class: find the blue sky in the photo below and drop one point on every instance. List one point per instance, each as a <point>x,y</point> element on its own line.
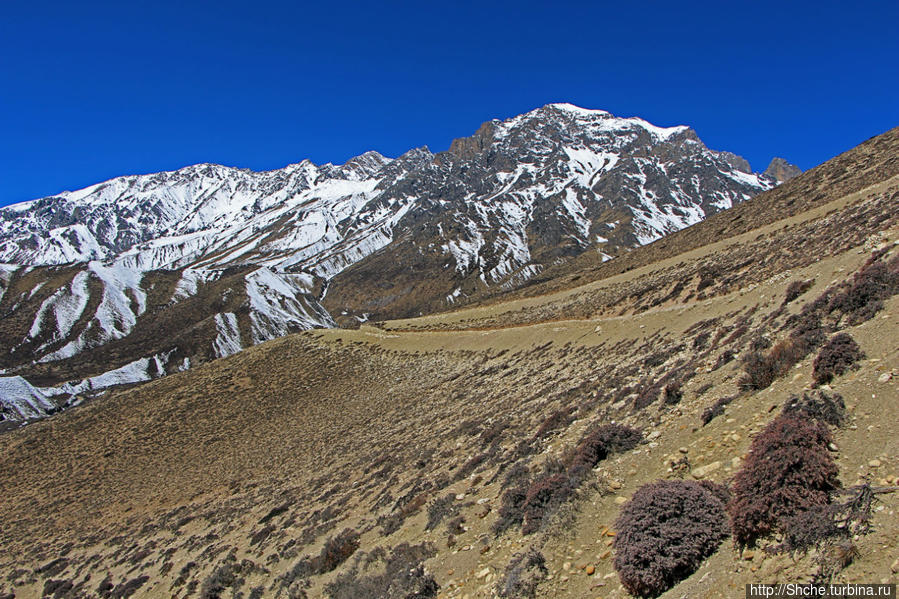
<point>89,91</point>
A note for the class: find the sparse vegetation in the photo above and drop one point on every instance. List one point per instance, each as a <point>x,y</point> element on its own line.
<point>716,409</point>
<point>336,550</point>
<point>665,532</point>
<point>402,575</point>
<point>523,574</point>
<point>826,407</point>
<point>797,288</point>
<point>356,428</point>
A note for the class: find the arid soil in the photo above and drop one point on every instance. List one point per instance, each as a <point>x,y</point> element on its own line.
<point>398,440</point>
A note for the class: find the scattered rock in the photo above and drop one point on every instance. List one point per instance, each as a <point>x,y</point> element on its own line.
<point>703,471</point>
<point>483,573</point>
<point>885,377</point>
<point>590,570</point>
<point>874,463</point>
<point>620,500</point>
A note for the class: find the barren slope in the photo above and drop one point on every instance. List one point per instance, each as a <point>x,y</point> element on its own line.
<point>218,481</point>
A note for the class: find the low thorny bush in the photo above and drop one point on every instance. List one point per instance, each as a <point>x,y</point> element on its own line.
<point>797,288</point>
<point>716,409</point>
<point>789,470</point>
<point>336,550</point>
<point>665,532</point>
<point>826,407</point>
<point>523,574</point>
<point>831,530</point>
<point>835,358</point>
<point>530,502</point>
<point>400,575</point>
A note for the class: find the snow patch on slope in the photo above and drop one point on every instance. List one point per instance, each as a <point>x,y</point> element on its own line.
<point>227,341</point>
<point>19,400</point>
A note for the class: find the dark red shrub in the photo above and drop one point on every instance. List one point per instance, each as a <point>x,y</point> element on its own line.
<point>543,497</point>
<point>835,358</point>
<point>664,533</point>
<point>557,420</point>
<point>788,470</point>
<point>865,295</point>
<point>601,442</point>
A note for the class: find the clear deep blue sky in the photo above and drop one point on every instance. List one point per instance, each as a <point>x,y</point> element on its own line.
<point>89,91</point>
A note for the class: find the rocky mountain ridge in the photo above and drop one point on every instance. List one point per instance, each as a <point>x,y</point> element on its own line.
<point>111,266</point>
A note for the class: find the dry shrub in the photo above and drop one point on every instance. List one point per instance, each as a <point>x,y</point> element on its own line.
<point>230,575</point>
<point>863,297</point>
<point>826,407</point>
<point>439,509</point>
<point>401,575</point>
<point>788,470</point>
<point>808,331</point>
<point>716,409</point>
<point>726,357</point>
<point>555,421</point>
<point>835,358</point>
<point>335,551</point>
<point>797,288</point>
<point>673,393</point>
<point>665,532</point>
<point>831,531</point>
<point>516,489</point>
<point>543,498</point>
<point>530,503</point>
<point>601,442</point>
<point>762,369</point>
<point>523,574</point>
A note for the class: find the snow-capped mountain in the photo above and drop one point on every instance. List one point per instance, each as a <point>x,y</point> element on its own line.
<point>233,257</point>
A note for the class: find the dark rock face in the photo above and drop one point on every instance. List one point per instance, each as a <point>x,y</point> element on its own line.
<point>782,171</point>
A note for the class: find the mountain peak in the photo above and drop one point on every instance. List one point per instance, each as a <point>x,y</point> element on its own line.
<point>782,171</point>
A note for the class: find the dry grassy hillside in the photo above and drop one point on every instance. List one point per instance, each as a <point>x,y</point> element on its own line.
<point>469,454</point>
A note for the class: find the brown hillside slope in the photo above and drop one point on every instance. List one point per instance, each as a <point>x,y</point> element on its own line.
<point>220,481</point>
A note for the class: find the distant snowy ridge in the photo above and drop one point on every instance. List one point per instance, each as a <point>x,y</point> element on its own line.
<point>248,256</point>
